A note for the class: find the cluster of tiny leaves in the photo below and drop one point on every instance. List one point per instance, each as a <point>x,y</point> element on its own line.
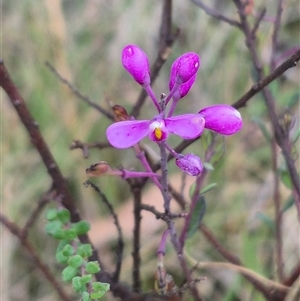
<point>70,252</point>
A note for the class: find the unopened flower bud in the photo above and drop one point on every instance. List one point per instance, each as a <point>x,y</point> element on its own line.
<point>183,89</point>
<point>98,169</point>
<point>190,164</point>
<point>135,61</point>
<point>184,68</point>
<point>120,113</point>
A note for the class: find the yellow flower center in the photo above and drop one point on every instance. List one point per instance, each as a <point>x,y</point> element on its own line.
<point>158,133</point>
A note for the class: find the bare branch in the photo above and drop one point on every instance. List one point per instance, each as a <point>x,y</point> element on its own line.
<point>40,204</point>
<point>13,228</point>
<point>118,226</point>
<point>213,13</point>
<point>86,99</point>
<point>86,146</point>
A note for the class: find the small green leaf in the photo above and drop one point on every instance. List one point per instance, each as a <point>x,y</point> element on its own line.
<point>62,244</point>
<point>85,296</point>
<point>288,204</point>
<point>75,261</point>
<point>92,267</point>
<point>97,295</point>
<point>266,220</point>
<point>85,250</point>
<point>81,227</point>
<point>77,283</point>
<point>54,228</point>
<point>203,190</point>
<point>99,289</point>
<point>51,214</point>
<point>86,278</point>
<point>100,286</point>
<point>64,215</point>
<point>262,125</point>
<point>60,257</point>
<point>208,187</point>
<point>286,178</point>
<point>197,216</point>
<point>68,250</point>
<point>70,234</point>
<point>208,166</point>
<point>69,273</point>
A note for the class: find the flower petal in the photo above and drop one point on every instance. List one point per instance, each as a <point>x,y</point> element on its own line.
<point>190,164</point>
<point>187,126</point>
<point>124,134</point>
<point>223,119</point>
<point>135,61</point>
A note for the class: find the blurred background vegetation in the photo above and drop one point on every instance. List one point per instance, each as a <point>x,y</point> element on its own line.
<point>83,40</point>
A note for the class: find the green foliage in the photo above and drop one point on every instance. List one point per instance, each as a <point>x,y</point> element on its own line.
<point>81,227</point>
<point>92,267</point>
<point>84,250</point>
<point>69,273</point>
<point>75,255</point>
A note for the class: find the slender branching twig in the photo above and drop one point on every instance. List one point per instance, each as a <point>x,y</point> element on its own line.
<point>15,230</point>
<point>118,226</point>
<point>213,13</point>
<point>86,146</point>
<point>79,94</point>
<point>40,204</point>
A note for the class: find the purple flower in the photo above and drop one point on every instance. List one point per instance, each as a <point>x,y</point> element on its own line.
<point>135,61</point>
<point>190,164</point>
<point>223,119</point>
<point>125,134</point>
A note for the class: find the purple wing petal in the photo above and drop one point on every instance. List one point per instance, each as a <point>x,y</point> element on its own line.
<point>125,134</point>
<point>188,126</point>
<point>223,119</point>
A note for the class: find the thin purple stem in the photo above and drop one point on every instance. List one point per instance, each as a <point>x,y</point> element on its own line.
<point>174,89</point>
<point>141,156</point>
<point>173,106</point>
<point>162,245</point>
<point>150,92</point>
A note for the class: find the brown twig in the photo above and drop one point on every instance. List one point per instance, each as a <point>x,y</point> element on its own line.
<point>36,259</point>
<point>137,200</point>
<point>86,146</point>
<point>275,33</point>
<point>118,226</point>
<point>213,13</point>
<point>86,99</point>
<point>277,213</point>
<point>161,215</point>
<point>276,193</point>
<point>40,204</point>
<point>262,83</point>
<point>259,18</point>
<point>293,276</point>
